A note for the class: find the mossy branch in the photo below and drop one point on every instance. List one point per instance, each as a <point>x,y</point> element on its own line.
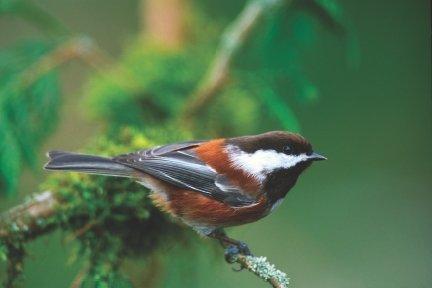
<point>28,220</point>
<point>99,212</point>
<point>263,269</point>
<point>23,223</point>
<point>31,219</point>
<point>234,37</point>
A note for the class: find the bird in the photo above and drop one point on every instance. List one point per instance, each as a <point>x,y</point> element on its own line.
<point>210,184</point>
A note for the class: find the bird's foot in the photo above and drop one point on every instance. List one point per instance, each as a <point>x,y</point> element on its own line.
<point>233,250</point>
<point>244,249</point>
<point>232,247</point>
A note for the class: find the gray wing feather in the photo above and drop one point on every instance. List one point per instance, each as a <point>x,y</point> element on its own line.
<point>161,150</point>
<point>178,165</point>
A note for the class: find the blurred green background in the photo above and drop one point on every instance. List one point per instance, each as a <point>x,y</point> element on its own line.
<point>361,219</point>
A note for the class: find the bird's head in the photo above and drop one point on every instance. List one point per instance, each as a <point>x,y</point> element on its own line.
<point>271,153</point>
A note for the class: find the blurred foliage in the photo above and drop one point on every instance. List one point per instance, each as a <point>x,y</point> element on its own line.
<point>14,253</point>
<point>32,13</point>
<point>163,79</point>
<point>29,98</point>
<point>28,111</point>
<point>99,212</point>
<point>166,78</point>
<point>153,83</point>
<point>331,15</point>
<point>147,91</point>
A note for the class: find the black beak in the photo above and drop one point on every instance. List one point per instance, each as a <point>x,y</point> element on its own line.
<point>316,157</point>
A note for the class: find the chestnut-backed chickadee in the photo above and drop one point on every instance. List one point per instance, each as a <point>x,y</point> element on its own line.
<point>212,184</point>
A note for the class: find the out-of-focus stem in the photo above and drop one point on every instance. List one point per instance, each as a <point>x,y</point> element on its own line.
<point>162,21</point>
<point>232,40</point>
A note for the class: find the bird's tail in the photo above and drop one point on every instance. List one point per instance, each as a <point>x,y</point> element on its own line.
<point>67,161</point>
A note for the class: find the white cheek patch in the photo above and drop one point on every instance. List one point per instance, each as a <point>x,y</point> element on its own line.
<point>262,162</point>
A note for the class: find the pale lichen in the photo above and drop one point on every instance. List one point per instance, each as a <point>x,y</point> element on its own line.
<point>264,269</point>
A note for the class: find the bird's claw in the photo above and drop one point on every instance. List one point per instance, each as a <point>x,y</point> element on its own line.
<point>233,250</point>
<point>244,249</point>
<point>230,253</point>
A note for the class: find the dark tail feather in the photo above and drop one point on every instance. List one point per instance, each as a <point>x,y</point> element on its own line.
<point>68,161</point>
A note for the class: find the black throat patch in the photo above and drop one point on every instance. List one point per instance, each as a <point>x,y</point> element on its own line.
<point>279,183</point>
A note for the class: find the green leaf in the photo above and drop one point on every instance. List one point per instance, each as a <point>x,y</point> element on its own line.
<point>28,110</point>
<point>113,279</point>
<point>3,252</point>
<point>10,157</point>
<point>332,16</point>
<point>328,12</point>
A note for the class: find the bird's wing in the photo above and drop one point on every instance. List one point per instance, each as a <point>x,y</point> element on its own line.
<point>178,165</point>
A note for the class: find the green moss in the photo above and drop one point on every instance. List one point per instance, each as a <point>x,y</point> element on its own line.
<point>151,86</point>
<point>150,83</point>
<point>13,252</point>
<point>111,218</point>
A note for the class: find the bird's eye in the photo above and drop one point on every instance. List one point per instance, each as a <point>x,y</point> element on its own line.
<point>287,149</point>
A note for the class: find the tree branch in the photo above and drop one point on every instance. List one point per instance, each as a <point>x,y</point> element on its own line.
<point>77,48</point>
<point>263,269</point>
<point>31,219</point>
<point>77,281</point>
<point>232,40</point>
<point>28,219</point>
